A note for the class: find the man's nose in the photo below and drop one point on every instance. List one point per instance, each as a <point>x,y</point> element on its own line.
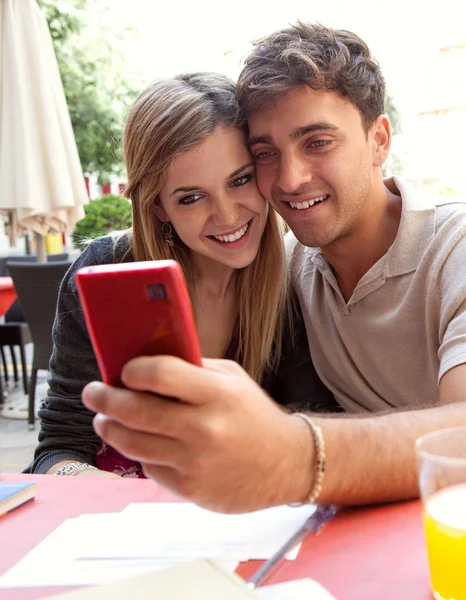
<point>294,171</point>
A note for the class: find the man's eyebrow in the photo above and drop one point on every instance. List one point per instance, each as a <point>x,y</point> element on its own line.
<point>194,188</point>
<point>300,132</point>
<point>295,135</point>
<point>259,139</point>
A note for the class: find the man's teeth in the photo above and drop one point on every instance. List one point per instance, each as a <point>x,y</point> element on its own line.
<point>307,204</point>
<point>233,237</point>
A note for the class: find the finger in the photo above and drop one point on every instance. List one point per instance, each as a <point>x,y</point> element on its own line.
<point>176,378</point>
<point>138,445</point>
<point>220,365</point>
<point>178,483</point>
<point>138,410</point>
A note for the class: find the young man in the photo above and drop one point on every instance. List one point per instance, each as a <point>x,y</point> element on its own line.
<point>381,279</point>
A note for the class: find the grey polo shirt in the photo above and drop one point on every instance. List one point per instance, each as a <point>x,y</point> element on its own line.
<point>405,325</point>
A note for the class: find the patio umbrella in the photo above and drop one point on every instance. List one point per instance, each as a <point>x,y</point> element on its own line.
<point>41,181</point>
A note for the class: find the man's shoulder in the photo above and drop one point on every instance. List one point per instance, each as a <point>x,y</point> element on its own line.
<point>450,211</point>
<point>294,249</point>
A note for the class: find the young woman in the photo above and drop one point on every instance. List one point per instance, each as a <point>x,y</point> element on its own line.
<point>194,198</point>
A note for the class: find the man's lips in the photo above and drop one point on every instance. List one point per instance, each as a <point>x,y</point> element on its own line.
<point>305,203</point>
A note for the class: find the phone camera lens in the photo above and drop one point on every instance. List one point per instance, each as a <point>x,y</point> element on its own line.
<point>156,291</point>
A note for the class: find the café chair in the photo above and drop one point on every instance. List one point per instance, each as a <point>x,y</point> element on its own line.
<point>37,287</point>
<point>15,333</point>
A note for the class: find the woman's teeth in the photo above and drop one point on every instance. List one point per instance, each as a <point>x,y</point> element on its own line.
<point>307,204</point>
<point>233,237</point>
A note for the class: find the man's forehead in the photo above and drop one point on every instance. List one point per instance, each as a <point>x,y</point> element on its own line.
<point>300,111</point>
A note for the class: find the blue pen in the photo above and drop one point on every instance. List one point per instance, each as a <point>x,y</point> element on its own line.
<point>323,514</point>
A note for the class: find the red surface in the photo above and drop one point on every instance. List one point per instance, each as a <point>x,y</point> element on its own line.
<point>364,554</point>
<point>7,294</point>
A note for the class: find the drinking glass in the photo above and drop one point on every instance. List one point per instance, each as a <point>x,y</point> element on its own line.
<point>442,479</point>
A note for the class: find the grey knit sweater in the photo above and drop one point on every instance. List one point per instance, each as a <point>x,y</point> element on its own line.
<point>66,431</point>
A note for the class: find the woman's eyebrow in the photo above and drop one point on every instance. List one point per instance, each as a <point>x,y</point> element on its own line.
<point>193,188</point>
<point>241,169</point>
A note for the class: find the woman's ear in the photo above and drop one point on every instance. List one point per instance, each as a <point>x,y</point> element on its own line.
<point>160,212</point>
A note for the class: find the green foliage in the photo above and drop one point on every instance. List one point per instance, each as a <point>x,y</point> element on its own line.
<point>394,164</point>
<point>103,215</point>
<point>393,114</point>
<point>96,79</point>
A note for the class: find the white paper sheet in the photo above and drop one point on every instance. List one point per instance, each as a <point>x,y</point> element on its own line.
<point>147,530</point>
<point>52,563</point>
<point>102,548</point>
<point>300,589</point>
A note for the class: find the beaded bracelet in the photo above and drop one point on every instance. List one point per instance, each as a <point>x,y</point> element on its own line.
<point>319,444</point>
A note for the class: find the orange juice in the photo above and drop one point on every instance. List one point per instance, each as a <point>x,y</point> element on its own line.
<point>445,526</point>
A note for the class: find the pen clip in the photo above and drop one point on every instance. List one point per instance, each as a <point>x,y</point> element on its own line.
<point>323,514</point>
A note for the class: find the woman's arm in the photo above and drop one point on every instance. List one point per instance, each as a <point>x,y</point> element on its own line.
<point>66,432</point>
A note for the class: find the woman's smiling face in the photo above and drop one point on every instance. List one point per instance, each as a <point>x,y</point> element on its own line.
<point>211,199</point>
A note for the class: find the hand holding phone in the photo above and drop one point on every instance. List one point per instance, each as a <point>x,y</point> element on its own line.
<point>137,309</point>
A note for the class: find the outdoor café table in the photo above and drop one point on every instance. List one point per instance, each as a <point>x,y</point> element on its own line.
<point>375,553</point>
<point>7,294</point>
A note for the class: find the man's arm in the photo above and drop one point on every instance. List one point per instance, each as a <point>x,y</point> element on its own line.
<point>372,459</point>
<point>228,447</point>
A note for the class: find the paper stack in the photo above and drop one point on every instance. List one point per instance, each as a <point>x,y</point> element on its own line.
<point>102,548</point>
<point>199,580</point>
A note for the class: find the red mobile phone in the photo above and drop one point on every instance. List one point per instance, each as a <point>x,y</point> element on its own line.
<point>137,309</point>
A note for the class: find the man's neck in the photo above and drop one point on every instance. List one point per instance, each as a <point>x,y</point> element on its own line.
<point>353,255</point>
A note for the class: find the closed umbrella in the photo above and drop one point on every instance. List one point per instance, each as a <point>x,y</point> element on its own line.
<point>41,181</point>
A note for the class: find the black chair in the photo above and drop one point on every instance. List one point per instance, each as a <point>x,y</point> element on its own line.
<point>29,258</point>
<point>37,289</point>
<point>61,257</point>
<point>15,332</point>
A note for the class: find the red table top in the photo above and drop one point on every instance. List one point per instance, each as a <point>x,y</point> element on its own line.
<point>375,553</point>
<point>7,294</point>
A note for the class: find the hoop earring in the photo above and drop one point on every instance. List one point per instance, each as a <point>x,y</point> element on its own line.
<point>167,232</point>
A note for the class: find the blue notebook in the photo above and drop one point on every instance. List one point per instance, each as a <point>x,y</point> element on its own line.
<point>14,494</point>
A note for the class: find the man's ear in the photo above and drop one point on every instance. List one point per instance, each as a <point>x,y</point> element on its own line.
<point>160,212</point>
<point>381,136</point>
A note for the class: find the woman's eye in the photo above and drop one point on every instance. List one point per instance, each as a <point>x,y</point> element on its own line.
<point>239,181</point>
<point>191,199</point>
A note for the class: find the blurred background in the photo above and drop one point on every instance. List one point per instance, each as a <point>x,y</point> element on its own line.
<point>108,50</point>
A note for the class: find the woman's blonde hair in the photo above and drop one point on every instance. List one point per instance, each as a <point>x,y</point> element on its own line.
<point>167,119</point>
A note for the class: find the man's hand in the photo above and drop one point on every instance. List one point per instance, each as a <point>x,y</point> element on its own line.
<point>225,446</point>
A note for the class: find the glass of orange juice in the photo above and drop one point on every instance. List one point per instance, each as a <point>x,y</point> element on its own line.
<point>442,478</point>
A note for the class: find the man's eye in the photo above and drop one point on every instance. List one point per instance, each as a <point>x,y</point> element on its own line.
<point>264,155</point>
<point>239,181</point>
<point>319,143</point>
<point>191,199</point>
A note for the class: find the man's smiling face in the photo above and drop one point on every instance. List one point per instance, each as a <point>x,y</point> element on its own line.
<point>314,163</point>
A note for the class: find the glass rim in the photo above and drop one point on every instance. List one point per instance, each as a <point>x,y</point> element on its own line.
<point>435,456</point>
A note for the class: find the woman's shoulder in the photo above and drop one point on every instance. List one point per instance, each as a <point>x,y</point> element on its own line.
<point>105,250</point>
<point>108,249</point>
